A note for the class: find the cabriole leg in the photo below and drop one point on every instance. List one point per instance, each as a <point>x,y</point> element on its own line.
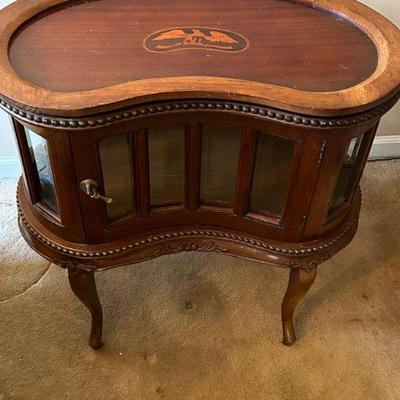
<point>84,286</point>
<point>299,283</point>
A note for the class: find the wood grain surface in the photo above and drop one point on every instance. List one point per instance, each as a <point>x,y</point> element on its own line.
<point>313,57</point>
<point>95,44</point>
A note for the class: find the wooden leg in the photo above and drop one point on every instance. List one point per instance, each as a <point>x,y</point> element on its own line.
<point>84,286</point>
<point>299,283</point>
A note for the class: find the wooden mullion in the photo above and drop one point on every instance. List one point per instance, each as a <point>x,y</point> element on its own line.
<point>292,179</point>
<point>141,172</point>
<point>302,184</point>
<point>192,166</point>
<point>247,156</point>
<point>132,163</point>
<point>93,213</point>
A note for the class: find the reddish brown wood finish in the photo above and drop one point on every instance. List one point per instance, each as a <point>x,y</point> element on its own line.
<point>141,172</point>
<point>286,81</point>
<point>84,286</point>
<point>193,166</point>
<point>246,165</point>
<point>285,30</point>
<point>292,67</point>
<point>299,283</point>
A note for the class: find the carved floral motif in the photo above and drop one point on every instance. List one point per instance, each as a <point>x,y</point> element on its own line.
<point>205,246</point>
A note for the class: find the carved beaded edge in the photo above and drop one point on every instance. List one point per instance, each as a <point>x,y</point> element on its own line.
<point>258,244</point>
<point>136,112</point>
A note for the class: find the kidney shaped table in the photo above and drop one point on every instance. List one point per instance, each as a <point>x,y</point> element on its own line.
<point>147,128</point>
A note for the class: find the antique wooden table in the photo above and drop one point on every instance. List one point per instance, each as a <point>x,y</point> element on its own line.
<point>147,128</point>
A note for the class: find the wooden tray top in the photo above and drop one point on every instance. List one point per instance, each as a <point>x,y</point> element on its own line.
<point>316,57</point>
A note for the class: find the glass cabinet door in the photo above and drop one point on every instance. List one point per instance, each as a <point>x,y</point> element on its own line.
<point>165,170</point>
<point>190,167</point>
<point>116,163</point>
<point>167,165</point>
<point>219,163</point>
<point>273,162</point>
<point>344,182</point>
<point>41,164</point>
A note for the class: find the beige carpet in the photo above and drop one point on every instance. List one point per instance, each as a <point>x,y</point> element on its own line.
<point>206,326</point>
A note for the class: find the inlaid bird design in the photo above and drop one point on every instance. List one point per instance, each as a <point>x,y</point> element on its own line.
<point>193,37</point>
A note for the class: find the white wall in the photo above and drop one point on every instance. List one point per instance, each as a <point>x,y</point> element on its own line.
<point>390,123</point>
<point>8,151</point>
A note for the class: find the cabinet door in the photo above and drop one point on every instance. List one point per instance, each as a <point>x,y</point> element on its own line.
<point>186,170</point>
<point>220,150</point>
<point>50,185</point>
<point>116,163</point>
<point>128,174</point>
<point>166,150</point>
<point>104,161</point>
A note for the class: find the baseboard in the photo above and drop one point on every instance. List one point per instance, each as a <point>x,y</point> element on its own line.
<point>385,147</point>
<point>8,160</point>
<point>9,167</point>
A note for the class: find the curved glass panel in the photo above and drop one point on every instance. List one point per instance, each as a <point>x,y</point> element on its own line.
<point>344,182</point>
<point>116,164</point>
<point>167,165</point>
<point>219,164</point>
<point>274,156</point>
<point>41,162</point>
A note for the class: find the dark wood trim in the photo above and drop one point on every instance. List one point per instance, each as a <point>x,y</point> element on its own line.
<point>262,216</point>
<point>94,212</point>
<point>133,167</point>
<point>203,108</point>
<point>303,187</point>
<point>64,176</point>
<point>136,248</point>
<point>49,214</point>
<point>215,208</point>
<point>169,208</point>
<point>192,165</point>
<point>293,176</point>
<point>246,168</point>
<point>337,216</point>
<point>141,172</point>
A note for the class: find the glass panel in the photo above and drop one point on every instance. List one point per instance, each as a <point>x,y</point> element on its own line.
<point>116,165</point>
<point>219,163</point>
<point>40,159</point>
<point>273,162</point>
<point>344,182</point>
<point>167,165</point>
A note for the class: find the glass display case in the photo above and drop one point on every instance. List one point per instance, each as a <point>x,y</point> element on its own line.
<point>149,187</point>
<point>249,139</point>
